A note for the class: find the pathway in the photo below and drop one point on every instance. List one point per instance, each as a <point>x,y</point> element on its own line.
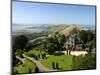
<point>21,59</point>
<point>39,65</point>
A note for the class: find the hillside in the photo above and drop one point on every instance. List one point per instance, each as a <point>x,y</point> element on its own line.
<point>68,30</point>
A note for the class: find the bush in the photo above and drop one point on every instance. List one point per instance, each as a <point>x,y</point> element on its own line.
<point>84,62</point>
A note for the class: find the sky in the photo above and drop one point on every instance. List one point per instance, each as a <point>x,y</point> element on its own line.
<point>44,13</point>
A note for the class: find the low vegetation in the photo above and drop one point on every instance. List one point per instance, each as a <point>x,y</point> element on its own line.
<point>26,67</point>
<point>84,63</point>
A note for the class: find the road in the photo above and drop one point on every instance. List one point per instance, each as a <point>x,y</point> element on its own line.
<point>32,41</point>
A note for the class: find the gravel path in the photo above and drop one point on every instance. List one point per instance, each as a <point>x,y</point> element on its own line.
<point>39,65</point>
<point>21,59</point>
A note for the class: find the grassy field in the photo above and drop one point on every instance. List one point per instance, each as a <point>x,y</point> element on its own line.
<point>64,61</point>
<point>24,68</point>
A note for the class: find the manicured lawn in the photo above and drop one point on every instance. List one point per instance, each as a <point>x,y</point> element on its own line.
<point>64,61</point>
<point>24,68</point>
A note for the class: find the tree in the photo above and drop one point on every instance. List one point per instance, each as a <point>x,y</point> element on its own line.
<point>36,70</point>
<point>83,36</point>
<point>30,71</point>
<point>16,72</point>
<point>20,42</point>
<point>61,40</point>
<point>53,65</point>
<point>90,36</point>
<point>91,45</point>
<point>50,47</point>
<point>55,43</point>
<point>86,36</point>
<point>57,67</point>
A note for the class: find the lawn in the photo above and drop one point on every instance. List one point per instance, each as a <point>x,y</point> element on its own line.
<point>24,68</point>
<point>64,61</point>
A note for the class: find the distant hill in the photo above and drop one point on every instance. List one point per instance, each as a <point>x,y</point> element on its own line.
<point>69,29</point>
